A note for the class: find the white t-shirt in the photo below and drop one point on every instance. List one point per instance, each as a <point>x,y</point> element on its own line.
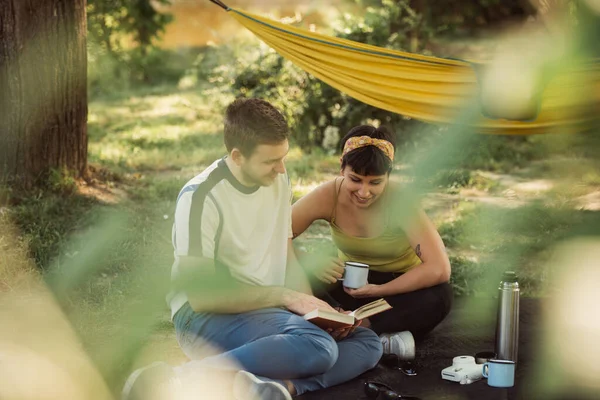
<point>242,229</point>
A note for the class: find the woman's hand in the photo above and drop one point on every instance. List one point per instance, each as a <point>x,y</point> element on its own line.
<point>369,290</point>
<point>331,271</point>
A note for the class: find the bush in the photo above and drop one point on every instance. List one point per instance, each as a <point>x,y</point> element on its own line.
<point>465,276</point>
<point>454,178</point>
<point>122,47</point>
<point>106,74</point>
<point>501,153</point>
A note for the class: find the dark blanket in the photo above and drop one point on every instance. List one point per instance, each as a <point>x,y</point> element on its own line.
<point>468,329</point>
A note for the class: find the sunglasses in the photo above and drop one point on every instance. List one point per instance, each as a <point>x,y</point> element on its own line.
<point>408,368</point>
<point>374,389</point>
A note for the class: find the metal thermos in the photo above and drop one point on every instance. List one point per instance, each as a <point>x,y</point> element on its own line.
<point>507,323</point>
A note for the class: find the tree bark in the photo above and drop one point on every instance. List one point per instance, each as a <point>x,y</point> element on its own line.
<point>43,88</point>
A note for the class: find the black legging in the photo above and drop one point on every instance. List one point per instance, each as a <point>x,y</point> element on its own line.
<point>418,312</point>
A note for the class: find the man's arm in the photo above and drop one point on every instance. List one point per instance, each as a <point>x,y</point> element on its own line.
<point>295,277</point>
<point>209,291</point>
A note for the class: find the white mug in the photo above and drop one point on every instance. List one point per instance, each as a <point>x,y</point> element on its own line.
<point>355,274</point>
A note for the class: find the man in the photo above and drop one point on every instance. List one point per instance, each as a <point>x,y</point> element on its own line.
<point>241,288</point>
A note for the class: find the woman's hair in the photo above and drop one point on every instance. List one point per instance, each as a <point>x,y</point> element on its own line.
<point>368,160</point>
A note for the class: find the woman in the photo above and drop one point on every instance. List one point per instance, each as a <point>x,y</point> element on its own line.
<point>369,223</point>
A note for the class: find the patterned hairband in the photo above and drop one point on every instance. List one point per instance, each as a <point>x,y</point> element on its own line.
<point>361,141</point>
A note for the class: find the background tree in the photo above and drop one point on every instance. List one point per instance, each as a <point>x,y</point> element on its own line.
<point>126,30</point>
<point>43,95</point>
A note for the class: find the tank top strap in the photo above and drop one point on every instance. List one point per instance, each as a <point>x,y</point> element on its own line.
<point>336,192</point>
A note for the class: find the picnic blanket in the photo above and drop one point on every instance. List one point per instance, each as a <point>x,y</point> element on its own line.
<point>468,329</point>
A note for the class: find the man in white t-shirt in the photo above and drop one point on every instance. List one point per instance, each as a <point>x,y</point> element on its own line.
<point>238,284</point>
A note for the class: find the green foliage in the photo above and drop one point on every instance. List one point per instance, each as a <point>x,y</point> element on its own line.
<point>465,274</point>
<point>467,17</point>
<point>454,178</point>
<point>501,153</point>
<point>122,48</point>
<point>510,238</point>
<point>390,24</point>
<point>60,181</point>
<point>110,21</point>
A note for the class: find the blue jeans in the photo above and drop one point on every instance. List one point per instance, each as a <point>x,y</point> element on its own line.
<point>276,344</point>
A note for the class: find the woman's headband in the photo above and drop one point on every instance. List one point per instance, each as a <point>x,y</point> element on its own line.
<point>361,141</point>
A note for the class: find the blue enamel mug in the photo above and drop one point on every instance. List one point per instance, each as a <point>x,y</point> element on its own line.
<point>355,275</point>
<point>499,373</point>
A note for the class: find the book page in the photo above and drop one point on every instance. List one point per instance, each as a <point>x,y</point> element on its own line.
<point>328,319</point>
<point>372,308</point>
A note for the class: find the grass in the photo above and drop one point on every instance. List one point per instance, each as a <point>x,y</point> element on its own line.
<point>156,131</point>
<point>105,246</point>
<point>527,234</point>
<point>156,139</point>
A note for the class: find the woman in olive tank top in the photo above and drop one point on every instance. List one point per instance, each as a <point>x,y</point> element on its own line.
<point>371,223</point>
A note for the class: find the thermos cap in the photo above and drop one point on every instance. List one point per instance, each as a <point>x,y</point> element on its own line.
<point>509,276</point>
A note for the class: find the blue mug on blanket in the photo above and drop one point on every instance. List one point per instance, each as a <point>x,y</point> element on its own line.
<point>499,373</point>
<point>355,274</point>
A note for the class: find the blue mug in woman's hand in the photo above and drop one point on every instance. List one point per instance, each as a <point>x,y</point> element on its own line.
<point>355,274</point>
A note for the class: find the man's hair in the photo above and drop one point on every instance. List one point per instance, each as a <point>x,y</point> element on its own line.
<point>251,122</point>
<point>369,160</point>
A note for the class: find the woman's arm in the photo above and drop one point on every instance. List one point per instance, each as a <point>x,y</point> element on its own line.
<point>427,243</point>
<point>435,267</point>
<point>318,204</point>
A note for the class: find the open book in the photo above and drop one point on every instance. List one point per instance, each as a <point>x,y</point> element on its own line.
<point>331,319</point>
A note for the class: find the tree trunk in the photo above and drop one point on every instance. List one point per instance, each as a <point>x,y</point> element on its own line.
<point>43,88</point>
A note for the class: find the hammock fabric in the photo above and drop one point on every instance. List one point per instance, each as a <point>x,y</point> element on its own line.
<point>429,89</point>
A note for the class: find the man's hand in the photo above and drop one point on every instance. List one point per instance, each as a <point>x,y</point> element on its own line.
<point>331,271</point>
<point>300,303</point>
<point>342,333</point>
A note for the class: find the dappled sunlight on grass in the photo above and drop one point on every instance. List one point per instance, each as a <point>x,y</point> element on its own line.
<point>16,267</point>
<point>481,230</point>
<point>166,132</point>
<point>307,169</point>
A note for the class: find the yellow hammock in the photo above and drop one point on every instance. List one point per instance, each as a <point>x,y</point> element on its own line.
<point>426,88</point>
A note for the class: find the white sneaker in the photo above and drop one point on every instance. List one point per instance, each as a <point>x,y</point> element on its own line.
<point>247,386</point>
<point>156,381</point>
<point>401,344</point>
